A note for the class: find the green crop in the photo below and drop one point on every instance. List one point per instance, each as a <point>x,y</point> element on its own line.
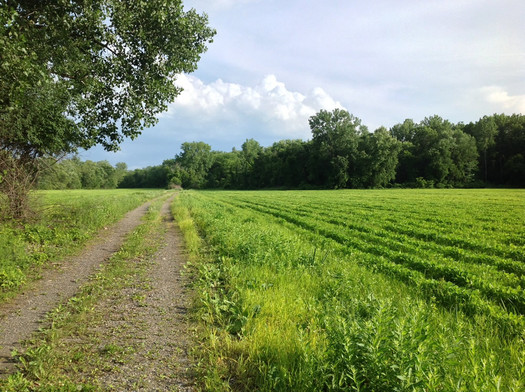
<point>391,290</point>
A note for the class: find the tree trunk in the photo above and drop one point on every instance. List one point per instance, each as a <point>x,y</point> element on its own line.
<point>18,175</point>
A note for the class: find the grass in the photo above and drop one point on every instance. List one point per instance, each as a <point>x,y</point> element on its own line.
<point>359,290</point>
<point>324,290</point>
<point>68,356</point>
<point>68,220</point>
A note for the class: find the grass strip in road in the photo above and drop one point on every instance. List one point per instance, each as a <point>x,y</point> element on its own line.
<point>67,356</point>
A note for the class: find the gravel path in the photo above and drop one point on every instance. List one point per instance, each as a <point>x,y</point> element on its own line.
<point>22,316</point>
<point>149,318</point>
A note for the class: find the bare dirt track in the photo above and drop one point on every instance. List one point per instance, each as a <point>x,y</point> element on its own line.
<point>148,318</point>
<point>143,321</point>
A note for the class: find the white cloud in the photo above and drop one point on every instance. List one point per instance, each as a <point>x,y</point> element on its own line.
<point>383,60</point>
<point>508,103</point>
<point>269,105</point>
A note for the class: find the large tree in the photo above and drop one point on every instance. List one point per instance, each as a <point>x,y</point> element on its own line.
<point>378,159</point>
<point>335,137</point>
<point>436,151</point>
<point>76,73</point>
<point>193,164</point>
<point>508,153</point>
<point>485,131</point>
<point>250,153</point>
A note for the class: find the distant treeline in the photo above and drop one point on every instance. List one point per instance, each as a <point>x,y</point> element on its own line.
<point>344,154</point>
<point>76,174</point>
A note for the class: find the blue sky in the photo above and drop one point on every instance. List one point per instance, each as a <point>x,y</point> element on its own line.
<point>273,64</point>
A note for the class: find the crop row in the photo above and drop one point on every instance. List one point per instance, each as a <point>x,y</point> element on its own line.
<point>449,285</point>
<point>425,213</point>
<point>479,225</point>
<point>405,234</point>
<point>344,231</point>
<point>291,306</point>
<point>463,237</point>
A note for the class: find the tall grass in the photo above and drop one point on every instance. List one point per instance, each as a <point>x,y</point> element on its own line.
<point>284,310</point>
<point>68,219</point>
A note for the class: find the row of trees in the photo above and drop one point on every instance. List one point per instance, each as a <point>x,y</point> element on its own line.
<point>341,154</point>
<point>344,154</point>
<point>76,174</point>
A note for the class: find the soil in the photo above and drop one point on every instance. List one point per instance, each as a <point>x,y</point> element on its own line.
<point>152,321</point>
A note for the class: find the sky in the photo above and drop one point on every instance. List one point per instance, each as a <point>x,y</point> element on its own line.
<point>275,63</point>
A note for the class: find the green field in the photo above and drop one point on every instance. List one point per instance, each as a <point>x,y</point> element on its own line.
<point>387,290</point>
<point>65,221</point>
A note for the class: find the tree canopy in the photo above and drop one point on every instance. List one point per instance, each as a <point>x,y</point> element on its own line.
<point>79,73</point>
<point>431,153</point>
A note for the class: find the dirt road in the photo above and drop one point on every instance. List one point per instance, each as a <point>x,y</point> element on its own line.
<point>147,319</point>
<point>156,326</point>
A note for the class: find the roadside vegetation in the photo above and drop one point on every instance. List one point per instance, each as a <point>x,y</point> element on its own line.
<point>359,290</point>
<point>66,221</point>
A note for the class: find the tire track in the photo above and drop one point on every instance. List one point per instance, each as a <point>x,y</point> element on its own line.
<point>155,328</point>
